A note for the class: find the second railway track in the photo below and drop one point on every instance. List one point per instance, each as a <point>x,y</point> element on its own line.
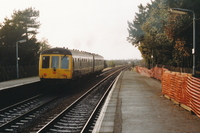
<point>18,116</point>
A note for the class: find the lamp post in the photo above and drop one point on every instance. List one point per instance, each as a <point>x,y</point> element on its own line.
<point>184,11</point>
<point>152,58</point>
<point>17,58</point>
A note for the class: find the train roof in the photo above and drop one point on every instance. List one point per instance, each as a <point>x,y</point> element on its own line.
<point>71,52</point>
<point>77,53</point>
<point>57,51</point>
<point>98,56</point>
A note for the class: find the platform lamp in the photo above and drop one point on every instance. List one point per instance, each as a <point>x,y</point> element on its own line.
<point>17,58</point>
<point>185,11</point>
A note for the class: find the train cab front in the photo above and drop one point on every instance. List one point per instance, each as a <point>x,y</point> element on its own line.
<point>55,68</point>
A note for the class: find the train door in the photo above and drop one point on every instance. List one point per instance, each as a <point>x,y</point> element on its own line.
<point>73,63</point>
<point>55,66</point>
<point>54,63</point>
<point>93,63</point>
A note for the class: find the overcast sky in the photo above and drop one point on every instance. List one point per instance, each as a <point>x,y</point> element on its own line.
<point>97,26</point>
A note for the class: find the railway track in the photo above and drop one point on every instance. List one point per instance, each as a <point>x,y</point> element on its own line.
<point>79,115</point>
<point>20,116</point>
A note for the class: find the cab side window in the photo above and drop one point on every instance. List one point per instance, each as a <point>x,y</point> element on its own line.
<point>64,62</point>
<point>45,61</point>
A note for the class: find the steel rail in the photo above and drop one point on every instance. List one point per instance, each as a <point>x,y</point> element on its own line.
<point>8,124</point>
<point>88,123</point>
<point>46,127</point>
<point>17,104</point>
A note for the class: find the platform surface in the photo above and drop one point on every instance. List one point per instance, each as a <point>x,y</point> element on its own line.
<point>18,82</point>
<point>136,105</point>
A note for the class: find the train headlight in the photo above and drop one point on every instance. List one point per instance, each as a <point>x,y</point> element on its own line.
<point>44,75</point>
<point>64,75</point>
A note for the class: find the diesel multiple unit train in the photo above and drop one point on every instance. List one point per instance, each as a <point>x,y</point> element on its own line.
<point>64,64</point>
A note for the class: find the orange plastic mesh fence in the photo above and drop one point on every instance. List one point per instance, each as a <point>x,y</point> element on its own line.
<point>181,87</point>
<point>143,71</point>
<point>193,91</point>
<point>155,72</point>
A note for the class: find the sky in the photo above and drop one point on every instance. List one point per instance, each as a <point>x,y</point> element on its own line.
<point>96,26</point>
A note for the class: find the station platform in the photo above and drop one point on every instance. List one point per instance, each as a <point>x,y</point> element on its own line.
<point>18,82</point>
<point>135,104</point>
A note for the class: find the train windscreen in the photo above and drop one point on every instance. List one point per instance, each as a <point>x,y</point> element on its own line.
<point>55,61</point>
<point>64,62</point>
<point>45,61</point>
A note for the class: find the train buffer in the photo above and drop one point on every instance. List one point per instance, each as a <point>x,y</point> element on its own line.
<point>136,105</point>
<point>18,82</point>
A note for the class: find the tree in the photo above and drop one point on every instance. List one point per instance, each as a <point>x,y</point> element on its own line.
<point>44,45</point>
<point>22,25</point>
<point>167,37</point>
<point>180,31</point>
<point>136,34</point>
<point>111,63</point>
<point>155,39</point>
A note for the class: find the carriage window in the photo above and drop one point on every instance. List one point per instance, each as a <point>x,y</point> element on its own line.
<point>65,62</point>
<point>55,61</point>
<point>45,62</point>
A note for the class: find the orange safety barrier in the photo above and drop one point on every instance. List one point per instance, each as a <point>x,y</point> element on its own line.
<point>185,96</point>
<point>181,87</point>
<point>155,72</point>
<point>143,71</point>
<point>169,81</point>
<point>174,86</point>
<point>166,83</point>
<point>193,90</point>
